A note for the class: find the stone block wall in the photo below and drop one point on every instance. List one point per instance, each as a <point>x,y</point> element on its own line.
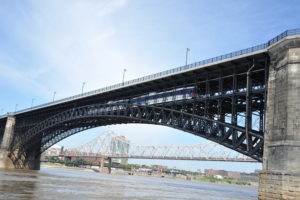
<point>279,185</point>
<point>280,177</point>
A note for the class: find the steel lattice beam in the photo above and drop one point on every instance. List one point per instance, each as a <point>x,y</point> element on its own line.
<point>199,125</point>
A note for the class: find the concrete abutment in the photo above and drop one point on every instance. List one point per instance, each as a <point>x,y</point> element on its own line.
<point>280,177</point>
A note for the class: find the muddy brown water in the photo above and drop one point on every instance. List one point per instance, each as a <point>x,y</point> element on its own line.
<point>66,184</point>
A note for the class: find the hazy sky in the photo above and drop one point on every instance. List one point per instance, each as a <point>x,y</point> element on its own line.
<point>56,45</point>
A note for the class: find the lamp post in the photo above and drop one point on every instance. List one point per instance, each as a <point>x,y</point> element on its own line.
<point>16,107</point>
<point>83,83</point>
<point>123,76</point>
<point>54,93</point>
<point>32,103</point>
<point>1,111</point>
<point>186,55</point>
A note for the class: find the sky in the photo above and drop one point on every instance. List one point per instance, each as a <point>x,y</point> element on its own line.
<point>55,46</point>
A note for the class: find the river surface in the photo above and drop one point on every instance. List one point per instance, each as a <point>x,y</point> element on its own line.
<point>66,184</point>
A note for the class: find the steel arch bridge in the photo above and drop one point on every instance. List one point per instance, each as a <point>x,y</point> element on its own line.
<point>62,125</point>
<point>219,99</point>
<point>71,121</point>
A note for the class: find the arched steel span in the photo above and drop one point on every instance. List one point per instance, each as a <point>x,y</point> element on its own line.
<point>62,125</point>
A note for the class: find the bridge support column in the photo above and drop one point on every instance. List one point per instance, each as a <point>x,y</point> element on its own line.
<point>109,165</point>
<point>33,162</point>
<point>280,177</point>
<point>5,161</point>
<point>101,164</point>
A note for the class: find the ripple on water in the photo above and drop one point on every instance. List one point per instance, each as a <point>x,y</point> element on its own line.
<point>67,184</point>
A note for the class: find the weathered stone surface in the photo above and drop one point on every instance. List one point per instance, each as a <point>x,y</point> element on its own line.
<point>279,185</point>
<point>29,161</point>
<point>9,132</point>
<point>280,178</point>
<point>5,161</point>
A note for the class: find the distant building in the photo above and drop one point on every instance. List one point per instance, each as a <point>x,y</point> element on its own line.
<point>213,172</point>
<point>249,177</point>
<point>159,167</point>
<point>234,175</point>
<point>55,150</point>
<point>120,147</point>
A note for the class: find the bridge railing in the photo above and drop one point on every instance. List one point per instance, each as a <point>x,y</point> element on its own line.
<point>279,37</point>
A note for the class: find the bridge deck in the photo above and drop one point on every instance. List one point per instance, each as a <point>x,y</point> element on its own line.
<point>171,158</point>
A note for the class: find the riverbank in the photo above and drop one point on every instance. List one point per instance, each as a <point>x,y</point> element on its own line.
<point>160,175</point>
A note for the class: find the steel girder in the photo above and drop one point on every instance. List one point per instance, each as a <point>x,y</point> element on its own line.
<point>50,131</point>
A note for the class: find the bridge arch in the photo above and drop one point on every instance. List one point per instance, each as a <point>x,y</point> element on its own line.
<point>67,123</point>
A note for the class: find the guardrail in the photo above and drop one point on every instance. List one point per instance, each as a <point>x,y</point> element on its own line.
<point>171,71</point>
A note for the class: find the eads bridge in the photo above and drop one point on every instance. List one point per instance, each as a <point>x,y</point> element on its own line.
<point>206,98</point>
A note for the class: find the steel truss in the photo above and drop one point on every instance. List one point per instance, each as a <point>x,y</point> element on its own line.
<point>104,146</point>
<point>82,118</point>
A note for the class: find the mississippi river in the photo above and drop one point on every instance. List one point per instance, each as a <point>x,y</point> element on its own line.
<point>65,184</point>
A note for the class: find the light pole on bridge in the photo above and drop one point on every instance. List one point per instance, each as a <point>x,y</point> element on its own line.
<point>54,93</point>
<point>186,55</point>
<point>123,76</point>
<point>16,107</point>
<point>83,84</point>
<point>32,101</point>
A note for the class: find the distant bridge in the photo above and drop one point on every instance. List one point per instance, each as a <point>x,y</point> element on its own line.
<point>109,145</point>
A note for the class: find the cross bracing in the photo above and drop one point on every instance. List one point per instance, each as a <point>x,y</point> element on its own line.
<point>102,146</point>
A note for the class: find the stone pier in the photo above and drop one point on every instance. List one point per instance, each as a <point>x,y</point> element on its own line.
<point>29,161</point>
<point>101,164</point>
<point>109,164</point>
<point>5,161</point>
<point>280,177</point>
<point>33,162</point>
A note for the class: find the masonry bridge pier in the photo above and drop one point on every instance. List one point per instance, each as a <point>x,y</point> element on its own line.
<point>248,101</point>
